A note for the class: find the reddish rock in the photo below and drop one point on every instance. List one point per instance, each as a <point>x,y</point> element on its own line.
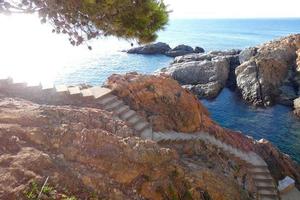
<point>162,101</point>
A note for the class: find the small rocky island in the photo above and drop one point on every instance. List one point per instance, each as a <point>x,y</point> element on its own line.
<point>263,76</point>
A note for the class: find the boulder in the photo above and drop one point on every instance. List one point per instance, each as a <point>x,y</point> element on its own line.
<point>199,50</point>
<point>180,50</point>
<point>261,76</point>
<point>205,74</point>
<point>156,48</point>
<point>297,106</point>
<point>247,53</point>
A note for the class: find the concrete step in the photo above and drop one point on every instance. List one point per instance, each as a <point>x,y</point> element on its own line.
<point>265,184</point>
<point>116,104</point>
<point>267,193</point>
<point>147,134</point>
<point>269,187</point>
<point>127,114</point>
<point>258,169</point>
<point>259,173</point>
<point>74,90</point>
<point>141,126</point>
<point>121,110</point>
<point>100,92</point>
<point>269,198</point>
<point>86,93</point>
<point>117,107</point>
<point>134,119</point>
<point>108,99</point>
<point>61,88</point>
<point>47,87</point>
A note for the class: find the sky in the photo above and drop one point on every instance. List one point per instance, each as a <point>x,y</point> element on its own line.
<point>234,8</point>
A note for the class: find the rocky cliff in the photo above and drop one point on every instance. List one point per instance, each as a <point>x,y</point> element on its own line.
<point>205,74</point>
<point>268,73</point>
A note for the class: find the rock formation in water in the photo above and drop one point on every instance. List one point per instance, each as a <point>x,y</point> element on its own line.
<point>164,49</point>
<point>205,74</point>
<point>162,101</point>
<point>156,48</point>
<point>267,74</point>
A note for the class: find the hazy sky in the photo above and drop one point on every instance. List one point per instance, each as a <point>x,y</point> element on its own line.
<point>234,8</point>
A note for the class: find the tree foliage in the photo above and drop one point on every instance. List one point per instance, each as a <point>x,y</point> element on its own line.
<point>83,20</point>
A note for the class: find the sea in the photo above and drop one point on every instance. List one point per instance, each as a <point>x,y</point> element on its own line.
<point>34,54</point>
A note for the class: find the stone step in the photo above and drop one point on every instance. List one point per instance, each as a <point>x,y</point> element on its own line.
<point>141,126</point>
<point>61,88</point>
<point>127,114</point>
<point>267,187</point>
<point>100,92</point>
<point>134,119</point>
<point>258,169</point>
<point>259,173</point>
<point>117,107</point>
<point>117,104</point>
<point>269,193</point>
<point>86,93</point>
<point>74,90</point>
<point>269,198</point>
<point>147,133</point>
<point>121,110</point>
<point>108,99</point>
<point>47,86</point>
<point>264,184</point>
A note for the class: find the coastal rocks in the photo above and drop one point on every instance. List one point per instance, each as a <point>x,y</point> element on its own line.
<point>165,49</point>
<point>204,74</point>
<point>247,53</point>
<point>156,48</point>
<point>180,50</point>
<point>162,101</point>
<point>267,75</point>
<point>297,107</point>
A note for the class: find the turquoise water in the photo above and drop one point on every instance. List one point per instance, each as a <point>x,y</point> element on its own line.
<point>276,124</point>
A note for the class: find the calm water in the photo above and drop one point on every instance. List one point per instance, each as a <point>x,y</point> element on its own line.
<point>59,62</point>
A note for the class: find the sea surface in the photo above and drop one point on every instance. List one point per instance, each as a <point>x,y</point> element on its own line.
<point>49,58</point>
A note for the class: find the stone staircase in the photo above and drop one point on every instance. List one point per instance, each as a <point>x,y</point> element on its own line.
<point>257,167</point>
<point>103,98</point>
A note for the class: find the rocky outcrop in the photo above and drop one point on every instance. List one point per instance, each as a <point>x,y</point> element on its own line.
<point>165,49</point>
<point>156,48</point>
<point>297,107</point>
<point>180,50</point>
<point>205,74</point>
<point>267,74</point>
<point>161,100</point>
<point>247,53</point>
<point>85,153</point>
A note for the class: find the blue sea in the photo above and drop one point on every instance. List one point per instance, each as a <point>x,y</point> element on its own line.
<point>74,65</point>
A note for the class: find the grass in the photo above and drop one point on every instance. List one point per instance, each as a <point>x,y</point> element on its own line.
<point>34,189</point>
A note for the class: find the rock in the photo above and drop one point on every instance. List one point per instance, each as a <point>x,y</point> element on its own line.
<point>260,79</point>
<point>206,74</point>
<point>159,98</point>
<point>209,90</point>
<point>297,106</point>
<point>163,48</point>
<point>180,50</point>
<point>156,48</point>
<point>162,101</point>
<point>247,53</point>
<point>199,50</point>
